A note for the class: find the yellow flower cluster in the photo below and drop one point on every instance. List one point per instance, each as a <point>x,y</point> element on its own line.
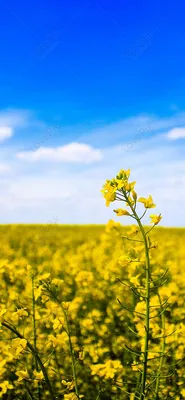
<point>121,189</point>
<point>111,188</point>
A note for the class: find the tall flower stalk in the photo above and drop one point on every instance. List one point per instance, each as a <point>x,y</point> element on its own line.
<point>121,189</point>
<point>147,296</point>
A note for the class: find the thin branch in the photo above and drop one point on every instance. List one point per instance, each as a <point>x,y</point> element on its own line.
<point>130,310</point>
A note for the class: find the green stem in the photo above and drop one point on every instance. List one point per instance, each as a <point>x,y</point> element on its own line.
<point>29,393</point>
<point>34,321</point>
<point>147,300</point>
<point>31,348</point>
<point>35,333</point>
<point>162,351</point>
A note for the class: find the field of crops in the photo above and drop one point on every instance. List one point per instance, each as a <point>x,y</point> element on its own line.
<point>64,293</point>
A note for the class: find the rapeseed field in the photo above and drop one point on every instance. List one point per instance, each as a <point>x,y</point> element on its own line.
<point>75,307</point>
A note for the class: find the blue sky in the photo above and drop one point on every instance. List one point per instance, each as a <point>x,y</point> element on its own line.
<point>88,88</point>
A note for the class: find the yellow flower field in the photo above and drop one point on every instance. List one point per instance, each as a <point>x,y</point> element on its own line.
<point>72,286</point>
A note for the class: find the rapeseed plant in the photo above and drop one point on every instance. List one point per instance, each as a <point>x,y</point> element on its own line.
<point>120,189</point>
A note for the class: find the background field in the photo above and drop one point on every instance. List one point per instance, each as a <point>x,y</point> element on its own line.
<point>84,259</point>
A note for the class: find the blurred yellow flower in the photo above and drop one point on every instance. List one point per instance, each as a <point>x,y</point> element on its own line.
<point>20,313</point>
<point>22,375</point>
<point>4,386</point>
<point>133,230</point>
<point>38,375</point>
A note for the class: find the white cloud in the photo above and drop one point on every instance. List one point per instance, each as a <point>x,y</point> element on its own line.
<point>126,129</point>
<point>10,120</point>
<point>72,152</point>
<point>4,168</point>
<point>176,133</point>
<point>35,192</point>
<point>5,132</point>
<point>73,194</point>
<point>14,118</point>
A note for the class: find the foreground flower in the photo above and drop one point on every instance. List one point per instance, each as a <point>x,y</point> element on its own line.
<point>129,186</point>
<point>110,197</point>
<point>155,219</point>
<point>121,211</point>
<point>116,186</point>
<point>125,193</point>
<point>148,203</point>
<point>108,191</point>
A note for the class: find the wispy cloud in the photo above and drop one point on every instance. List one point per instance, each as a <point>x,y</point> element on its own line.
<point>14,118</point>
<point>4,168</point>
<point>25,124</point>
<point>176,133</point>
<point>5,132</point>
<point>126,130</point>
<point>70,153</point>
<point>137,137</point>
<point>9,121</point>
